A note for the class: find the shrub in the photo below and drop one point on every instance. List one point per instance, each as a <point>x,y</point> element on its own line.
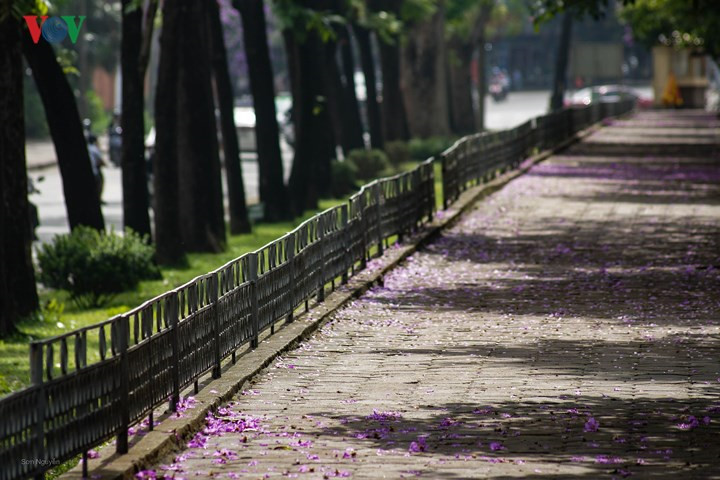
<point>424,148</point>
<point>398,153</point>
<point>94,266</point>
<point>369,163</point>
<point>344,175</point>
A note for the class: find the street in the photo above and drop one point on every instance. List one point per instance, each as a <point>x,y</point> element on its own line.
<point>517,108</point>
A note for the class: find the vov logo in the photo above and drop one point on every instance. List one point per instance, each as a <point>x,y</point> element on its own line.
<point>54,29</point>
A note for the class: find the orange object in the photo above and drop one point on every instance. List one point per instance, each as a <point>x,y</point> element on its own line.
<point>671,96</point>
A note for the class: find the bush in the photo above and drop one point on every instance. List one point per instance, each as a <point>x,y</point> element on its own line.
<point>424,148</point>
<point>398,153</point>
<point>94,266</point>
<point>369,163</point>
<point>344,175</point>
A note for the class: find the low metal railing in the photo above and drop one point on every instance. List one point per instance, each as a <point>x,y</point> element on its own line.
<point>148,355</point>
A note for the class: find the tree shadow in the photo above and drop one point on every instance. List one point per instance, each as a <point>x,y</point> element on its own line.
<point>643,436</point>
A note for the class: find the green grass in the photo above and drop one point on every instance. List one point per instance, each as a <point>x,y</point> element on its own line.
<point>59,315</point>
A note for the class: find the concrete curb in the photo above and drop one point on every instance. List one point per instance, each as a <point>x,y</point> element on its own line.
<point>173,432</point>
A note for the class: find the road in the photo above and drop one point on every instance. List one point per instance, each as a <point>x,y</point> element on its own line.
<point>517,108</point>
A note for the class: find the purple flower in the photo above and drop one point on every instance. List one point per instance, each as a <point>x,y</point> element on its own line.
<point>418,446</point>
<point>592,425</point>
<point>495,446</point>
<point>146,474</point>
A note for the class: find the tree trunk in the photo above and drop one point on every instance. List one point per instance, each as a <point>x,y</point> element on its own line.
<point>558,94</point>
<point>239,222</point>
<point>273,193</point>
<point>424,81</point>
<point>81,195</point>
<point>134,170</point>
<point>314,143</point>
<point>350,107</point>
<point>334,93</point>
<point>462,116</point>
<point>483,19</point>
<point>364,39</point>
<point>18,295</point>
<point>201,204</point>
<point>394,114</point>
<point>169,247</point>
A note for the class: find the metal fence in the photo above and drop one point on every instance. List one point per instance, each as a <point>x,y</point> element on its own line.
<point>475,159</point>
<point>150,354</point>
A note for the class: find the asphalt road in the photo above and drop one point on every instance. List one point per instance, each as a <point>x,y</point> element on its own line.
<point>517,108</point>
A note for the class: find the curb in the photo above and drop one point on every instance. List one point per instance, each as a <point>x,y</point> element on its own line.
<point>173,431</point>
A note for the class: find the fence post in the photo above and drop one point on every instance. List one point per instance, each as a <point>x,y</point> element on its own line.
<point>363,227</point>
<point>376,196</point>
<point>216,372</point>
<point>321,240</point>
<point>345,242</point>
<point>254,313</point>
<point>172,318</point>
<point>123,332</point>
<point>36,376</point>
<point>290,251</point>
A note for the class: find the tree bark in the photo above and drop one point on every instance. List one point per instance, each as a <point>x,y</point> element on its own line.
<point>134,170</point>
<point>462,115</point>
<point>18,295</point>
<point>81,196</point>
<point>350,107</point>
<point>239,222</point>
<point>169,247</point>
<point>423,76</point>
<point>273,193</point>
<point>314,143</point>
<point>558,94</point>
<point>334,93</point>
<point>394,115</point>
<point>201,204</point>
<point>364,39</point>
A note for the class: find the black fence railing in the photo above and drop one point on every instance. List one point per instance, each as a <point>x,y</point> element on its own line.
<point>147,356</point>
<point>475,159</point>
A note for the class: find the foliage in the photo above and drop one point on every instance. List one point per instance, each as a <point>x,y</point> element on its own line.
<point>398,153</point>
<point>675,22</point>
<point>93,266</point>
<point>344,175</point>
<point>671,22</point>
<point>96,112</point>
<point>424,148</point>
<point>369,163</point>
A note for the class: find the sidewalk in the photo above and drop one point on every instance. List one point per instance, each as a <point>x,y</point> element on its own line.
<point>567,327</point>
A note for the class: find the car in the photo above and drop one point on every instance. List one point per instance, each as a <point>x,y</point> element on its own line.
<point>607,94</point>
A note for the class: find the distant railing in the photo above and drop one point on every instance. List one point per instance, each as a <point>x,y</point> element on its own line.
<point>475,159</point>
<point>150,354</point>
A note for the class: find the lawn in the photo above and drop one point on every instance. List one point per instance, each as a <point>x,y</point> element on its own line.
<point>59,315</point>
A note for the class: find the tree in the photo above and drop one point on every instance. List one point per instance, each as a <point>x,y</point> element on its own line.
<point>18,295</point>
<point>423,66</point>
<point>169,247</point>
<point>314,140</point>
<point>465,31</point>
<point>134,170</point>
<point>394,116</point>
<point>199,177</point>
<point>267,133</point>
<point>349,102</point>
<point>559,84</point>
<point>239,222</point>
<point>676,22</point>
<point>374,116</point>
<point>81,196</point>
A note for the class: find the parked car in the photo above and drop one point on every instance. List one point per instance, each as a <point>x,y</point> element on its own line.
<point>607,94</point>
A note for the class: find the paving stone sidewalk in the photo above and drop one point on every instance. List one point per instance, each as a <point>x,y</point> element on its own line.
<point>567,327</point>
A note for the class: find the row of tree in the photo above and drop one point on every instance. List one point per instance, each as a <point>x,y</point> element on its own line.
<point>422,50</point>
